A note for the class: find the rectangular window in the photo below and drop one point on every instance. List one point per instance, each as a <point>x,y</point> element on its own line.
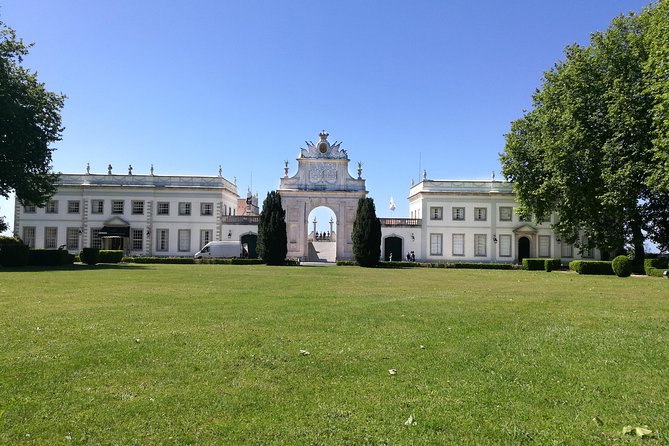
<point>436,244</point>
<point>117,206</point>
<point>29,209</point>
<point>206,235</point>
<point>137,207</point>
<point>458,213</point>
<point>97,207</point>
<point>480,245</point>
<point>138,238</point>
<point>73,207</point>
<point>96,241</point>
<point>184,208</point>
<point>587,253</point>
<point>480,214</point>
<point>162,240</point>
<point>505,245</point>
<point>184,239</point>
<point>72,238</point>
<point>458,244</point>
<point>163,208</point>
<point>505,214</point>
<point>52,207</point>
<point>544,246</point>
<point>206,208</point>
<point>50,238</point>
<point>566,250</point>
<point>29,236</point>
<point>436,213</point>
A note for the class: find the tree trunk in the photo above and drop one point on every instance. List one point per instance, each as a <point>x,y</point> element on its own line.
<point>637,237</point>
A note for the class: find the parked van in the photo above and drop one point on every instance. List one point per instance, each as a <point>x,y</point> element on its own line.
<point>220,249</point>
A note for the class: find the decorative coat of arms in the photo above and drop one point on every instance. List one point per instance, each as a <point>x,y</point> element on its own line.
<point>323,173</point>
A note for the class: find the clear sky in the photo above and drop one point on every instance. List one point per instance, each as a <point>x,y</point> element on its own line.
<point>190,85</point>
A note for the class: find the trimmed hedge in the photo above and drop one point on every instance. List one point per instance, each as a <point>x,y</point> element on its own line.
<point>89,256</point>
<point>596,267</point>
<point>622,266</point>
<point>172,260</point>
<point>110,256</point>
<point>48,257</point>
<point>656,272</point>
<point>658,263</point>
<point>4,241</point>
<point>14,255</point>
<point>534,264</point>
<point>552,265</point>
<point>466,265</point>
<point>347,263</point>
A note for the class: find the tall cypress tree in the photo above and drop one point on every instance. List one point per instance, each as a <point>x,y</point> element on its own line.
<point>272,244</point>
<point>366,234</point>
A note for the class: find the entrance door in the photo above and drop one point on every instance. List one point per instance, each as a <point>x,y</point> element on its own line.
<point>250,241</point>
<point>523,249</point>
<point>392,245</point>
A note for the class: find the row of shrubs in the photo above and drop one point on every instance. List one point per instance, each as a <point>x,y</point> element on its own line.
<point>404,264</point>
<point>21,255</point>
<point>542,264</point>
<point>190,261</point>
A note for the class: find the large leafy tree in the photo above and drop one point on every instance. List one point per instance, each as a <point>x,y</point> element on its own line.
<point>272,244</point>
<point>585,151</point>
<point>29,122</point>
<point>366,234</point>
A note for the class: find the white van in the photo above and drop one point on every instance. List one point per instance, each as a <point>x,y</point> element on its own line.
<point>220,249</point>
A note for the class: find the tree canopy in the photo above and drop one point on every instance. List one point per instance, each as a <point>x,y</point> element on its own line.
<point>29,122</point>
<point>590,149</point>
<point>272,243</point>
<point>366,234</point>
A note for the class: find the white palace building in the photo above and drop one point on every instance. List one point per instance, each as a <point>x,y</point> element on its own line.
<point>158,215</point>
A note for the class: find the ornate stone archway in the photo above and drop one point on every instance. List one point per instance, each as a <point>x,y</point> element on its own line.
<point>322,179</point>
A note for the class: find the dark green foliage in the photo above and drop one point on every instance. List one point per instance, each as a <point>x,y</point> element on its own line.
<point>29,122</point>
<point>272,245</point>
<point>48,257</point>
<point>595,267</point>
<point>9,241</point>
<point>534,264</point>
<point>366,234</point>
<point>110,256</point>
<point>89,256</point>
<point>552,265</point>
<point>622,266</point>
<point>347,263</point>
<point>164,260</point>
<point>656,272</point>
<point>466,265</point>
<point>14,255</point>
<point>231,261</point>
<point>658,262</point>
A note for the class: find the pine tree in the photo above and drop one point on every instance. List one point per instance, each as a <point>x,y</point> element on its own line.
<point>272,244</point>
<point>366,234</point>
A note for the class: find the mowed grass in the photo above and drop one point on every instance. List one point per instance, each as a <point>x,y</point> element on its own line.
<point>210,354</point>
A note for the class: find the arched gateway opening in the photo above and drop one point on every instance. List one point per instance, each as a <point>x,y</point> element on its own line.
<point>322,180</point>
<point>322,235</point>
<point>392,249</point>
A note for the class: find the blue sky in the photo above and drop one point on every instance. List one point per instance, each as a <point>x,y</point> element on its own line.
<point>191,85</point>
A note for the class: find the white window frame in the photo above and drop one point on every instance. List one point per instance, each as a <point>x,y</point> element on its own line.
<point>117,206</point>
<point>73,207</point>
<point>51,237</point>
<point>183,240</point>
<point>480,245</point>
<point>503,210</point>
<point>436,244</point>
<point>206,235</point>
<point>72,239</point>
<point>480,214</point>
<point>207,208</point>
<point>184,208</point>
<point>436,213</point>
<point>566,251</point>
<point>137,239</point>
<point>457,211</point>
<point>137,207</point>
<point>162,240</point>
<point>97,206</point>
<point>505,244</point>
<point>544,246</point>
<point>29,236</point>
<point>163,208</point>
<point>29,209</point>
<point>96,240</point>
<point>51,207</point>
<point>458,244</point>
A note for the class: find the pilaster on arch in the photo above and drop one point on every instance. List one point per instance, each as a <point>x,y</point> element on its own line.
<point>322,179</point>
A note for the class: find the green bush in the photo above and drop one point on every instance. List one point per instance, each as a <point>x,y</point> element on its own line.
<point>468,265</point>
<point>656,272</point>
<point>347,263</point>
<point>172,260</point>
<point>622,266</point>
<point>89,256</point>
<point>552,265</point>
<point>658,262</point>
<point>398,265</point>
<point>110,256</point>
<point>48,257</point>
<point>14,255</point>
<point>13,241</point>
<point>534,264</point>
<point>595,267</point>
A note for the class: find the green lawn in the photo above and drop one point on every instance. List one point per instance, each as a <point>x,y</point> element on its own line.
<point>210,354</point>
